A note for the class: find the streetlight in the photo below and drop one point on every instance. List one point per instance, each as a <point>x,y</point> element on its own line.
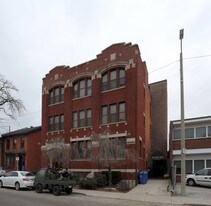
<point>183,172</point>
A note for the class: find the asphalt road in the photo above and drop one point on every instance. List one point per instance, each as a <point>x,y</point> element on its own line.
<point>11,197</point>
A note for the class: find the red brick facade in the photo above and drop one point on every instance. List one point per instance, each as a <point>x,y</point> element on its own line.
<point>118,99</point>
<point>21,149</point>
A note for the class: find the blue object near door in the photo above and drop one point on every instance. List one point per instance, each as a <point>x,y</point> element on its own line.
<point>143,177</point>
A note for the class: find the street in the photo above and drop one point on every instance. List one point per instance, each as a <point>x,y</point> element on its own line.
<point>11,197</point>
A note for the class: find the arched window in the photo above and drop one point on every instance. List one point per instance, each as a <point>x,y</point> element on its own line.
<point>82,87</point>
<point>56,95</point>
<point>113,78</point>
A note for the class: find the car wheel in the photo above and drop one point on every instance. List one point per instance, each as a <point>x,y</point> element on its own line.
<point>56,190</point>
<point>68,190</point>
<point>1,184</point>
<point>39,188</point>
<point>17,186</point>
<point>191,182</point>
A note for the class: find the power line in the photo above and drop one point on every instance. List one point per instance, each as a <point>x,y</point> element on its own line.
<point>164,66</point>
<point>187,58</point>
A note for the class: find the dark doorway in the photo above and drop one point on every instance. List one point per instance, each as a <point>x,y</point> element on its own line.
<point>21,163</point>
<point>158,168</point>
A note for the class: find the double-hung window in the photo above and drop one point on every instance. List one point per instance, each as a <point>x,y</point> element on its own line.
<point>82,88</point>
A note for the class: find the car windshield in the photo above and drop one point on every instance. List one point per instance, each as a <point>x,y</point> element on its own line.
<point>27,174</point>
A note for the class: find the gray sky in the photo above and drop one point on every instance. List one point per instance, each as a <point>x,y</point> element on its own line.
<point>37,35</point>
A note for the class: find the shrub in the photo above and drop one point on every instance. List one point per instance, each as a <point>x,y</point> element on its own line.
<point>88,183</point>
<point>101,179</point>
<point>116,176</point>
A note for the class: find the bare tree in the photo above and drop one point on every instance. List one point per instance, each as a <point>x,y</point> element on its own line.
<point>57,152</point>
<point>108,152</point>
<point>9,105</point>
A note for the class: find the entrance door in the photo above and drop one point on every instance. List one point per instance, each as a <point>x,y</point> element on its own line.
<point>21,163</point>
<point>158,168</point>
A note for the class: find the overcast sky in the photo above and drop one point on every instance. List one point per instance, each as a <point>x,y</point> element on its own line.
<point>37,35</point>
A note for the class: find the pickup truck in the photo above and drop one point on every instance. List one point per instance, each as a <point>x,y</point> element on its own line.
<point>47,179</point>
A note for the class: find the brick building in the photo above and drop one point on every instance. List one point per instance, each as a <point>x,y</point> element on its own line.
<point>111,93</point>
<point>21,149</point>
<point>197,143</point>
<point>159,115</point>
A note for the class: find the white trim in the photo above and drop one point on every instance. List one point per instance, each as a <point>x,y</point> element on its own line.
<point>118,135</point>
<point>193,151</point>
<point>193,120</point>
<point>88,138</point>
<point>100,170</point>
<point>79,139</point>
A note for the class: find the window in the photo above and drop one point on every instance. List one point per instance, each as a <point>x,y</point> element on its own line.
<point>56,95</point>
<point>50,124</point>
<point>81,149</point>
<point>61,94</point>
<point>121,150</point>
<point>61,122</point>
<point>89,87</point>
<point>112,117</point>
<point>189,166</point>
<point>209,131</point>
<point>208,163</point>
<point>74,150</point>
<point>121,111</point>
<point>189,133</point>
<point>198,165</point>
<point>82,87</point>
<point>22,142</point>
<point>51,97</point>
<point>82,118</point>
<point>113,79</point>
<point>75,119</point>
<point>14,143</point>
<point>113,113</point>
<point>10,160</point>
<point>88,149</point>
<point>88,117</point>
<point>105,82</point>
<point>104,115</point>
<point>75,90</point>
<point>56,123</point>
<point>85,118</point>
<point>177,133</point>
<point>196,132</point>
<point>121,77</point>
<point>178,166</point>
<point>201,132</point>
<point>8,143</point>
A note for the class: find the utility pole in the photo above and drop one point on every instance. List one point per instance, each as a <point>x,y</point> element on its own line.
<point>183,150</point>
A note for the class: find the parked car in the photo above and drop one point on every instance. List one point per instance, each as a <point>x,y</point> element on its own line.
<point>202,177</point>
<point>17,179</point>
<point>2,172</point>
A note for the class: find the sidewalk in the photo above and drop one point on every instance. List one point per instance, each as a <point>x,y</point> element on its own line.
<point>156,191</point>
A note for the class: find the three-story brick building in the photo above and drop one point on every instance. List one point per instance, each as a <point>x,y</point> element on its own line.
<point>111,93</point>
